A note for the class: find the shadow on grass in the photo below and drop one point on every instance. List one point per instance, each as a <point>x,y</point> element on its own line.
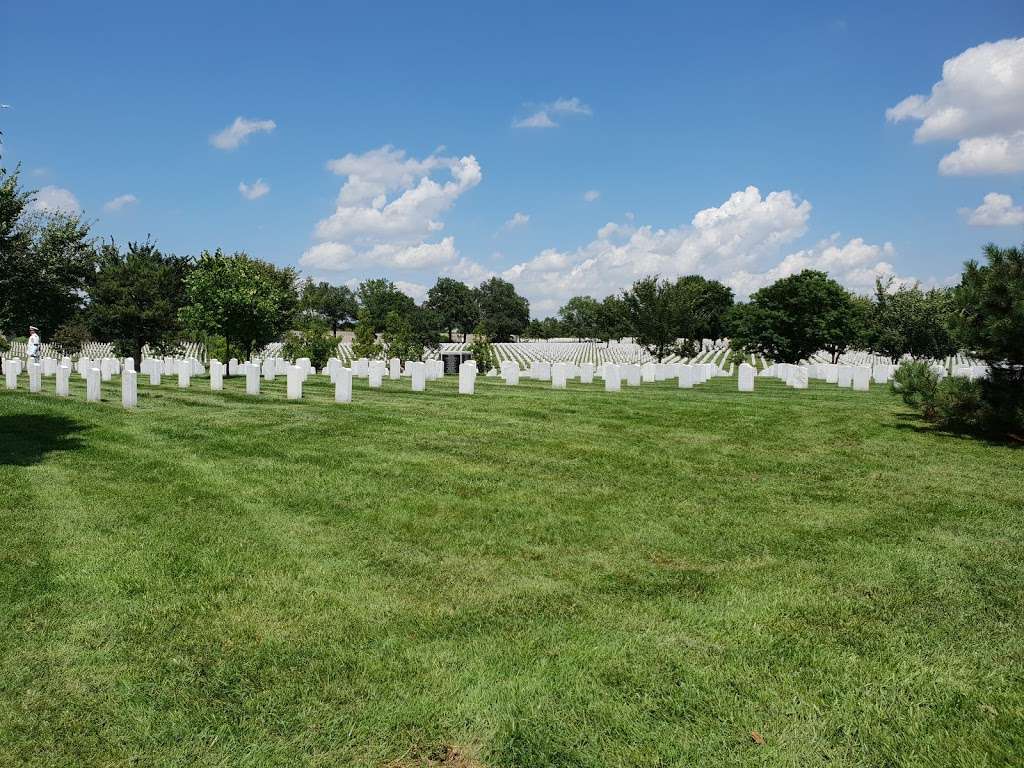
<point>27,439</point>
<point>908,422</point>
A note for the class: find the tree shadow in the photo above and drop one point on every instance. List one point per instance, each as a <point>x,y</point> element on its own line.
<point>27,439</point>
<point>918,425</point>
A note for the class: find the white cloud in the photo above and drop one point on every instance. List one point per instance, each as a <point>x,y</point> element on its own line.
<point>468,271</point>
<point>388,209</point>
<point>856,264</point>
<point>985,155</point>
<point>542,117</point>
<point>237,133</point>
<point>254,191</point>
<point>980,102</point>
<point>518,219</point>
<point>591,195</point>
<point>718,241</point>
<point>996,210</point>
<point>417,291</point>
<point>119,202</point>
<point>51,199</point>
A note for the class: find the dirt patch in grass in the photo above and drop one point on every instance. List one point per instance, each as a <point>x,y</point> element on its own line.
<point>445,756</point>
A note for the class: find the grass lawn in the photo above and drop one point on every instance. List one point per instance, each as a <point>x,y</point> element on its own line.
<point>519,578</point>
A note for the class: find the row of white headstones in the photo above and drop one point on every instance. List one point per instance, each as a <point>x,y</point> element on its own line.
<point>856,377</point>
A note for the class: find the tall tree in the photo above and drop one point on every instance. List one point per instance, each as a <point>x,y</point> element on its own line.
<point>612,319</point>
<point>910,321</point>
<point>247,301</point>
<point>455,304</point>
<point>503,312</point>
<point>136,297</point>
<point>794,317</point>
<point>989,322</point>
<point>664,317</point>
<point>365,343</point>
<point>378,298</point>
<point>334,304</point>
<point>47,260</point>
<point>580,317</point>
<point>712,300</point>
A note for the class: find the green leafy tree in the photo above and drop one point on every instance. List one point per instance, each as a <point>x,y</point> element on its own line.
<point>989,322</point>
<point>247,301</point>
<point>664,317</point>
<point>378,298</point>
<point>712,301</point>
<point>580,317</point>
<point>47,261</point>
<point>909,321</point>
<point>136,297</point>
<point>503,312</point>
<point>612,319</point>
<point>335,304</point>
<point>312,338</point>
<point>482,350</point>
<point>399,338</point>
<point>796,316</point>
<point>455,304</point>
<point>365,343</point>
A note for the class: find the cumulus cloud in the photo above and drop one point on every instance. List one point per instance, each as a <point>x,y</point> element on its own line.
<point>119,202</point>
<point>591,195</point>
<point>254,191</point>
<point>389,208</point>
<point>51,199</point>
<point>239,131</point>
<point>739,242</point>
<point>979,102</point>
<point>542,117</point>
<point>519,219</point>
<point>718,241</point>
<point>996,210</point>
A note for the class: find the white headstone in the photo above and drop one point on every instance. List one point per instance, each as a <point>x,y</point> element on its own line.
<point>861,378</point>
<point>63,380</point>
<point>844,377</point>
<point>467,378</point>
<point>376,373</point>
<point>129,363</point>
<point>798,378</point>
<point>343,385</point>
<point>129,389</point>
<point>418,371</point>
<point>233,366</point>
<point>612,377</point>
<point>216,375</point>
<point>632,374</point>
<point>686,376</point>
<point>587,373</point>
<point>294,382</point>
<point>558,375</point>
<point>649,372</point>
<point>155,368</point>
<point>252,378</point>
<point>92,385</point>
<point>184,373</point>
<point>746,378</point>
<point>394,369</point>
<point>510,371</point>
<point>35,377</point>
<point>11,374</point>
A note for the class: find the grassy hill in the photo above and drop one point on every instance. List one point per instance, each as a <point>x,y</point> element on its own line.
<point>523,577</point>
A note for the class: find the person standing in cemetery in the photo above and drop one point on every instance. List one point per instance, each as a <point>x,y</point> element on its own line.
<point>32,350</point>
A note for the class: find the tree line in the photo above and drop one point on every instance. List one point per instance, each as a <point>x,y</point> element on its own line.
<point>54,274</point>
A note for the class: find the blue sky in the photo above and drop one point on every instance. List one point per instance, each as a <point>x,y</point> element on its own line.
<point>743,141</point>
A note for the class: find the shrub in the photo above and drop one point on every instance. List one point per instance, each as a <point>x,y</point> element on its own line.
<point>917,383</point>
<point>5,345</point>
<point>959,404</point>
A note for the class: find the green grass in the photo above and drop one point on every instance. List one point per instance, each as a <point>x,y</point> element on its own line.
<point>530,577</point>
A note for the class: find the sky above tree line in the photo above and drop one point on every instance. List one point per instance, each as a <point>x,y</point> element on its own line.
<point>569,149</point>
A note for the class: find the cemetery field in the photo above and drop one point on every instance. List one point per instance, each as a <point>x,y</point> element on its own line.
<point>522,577</point>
